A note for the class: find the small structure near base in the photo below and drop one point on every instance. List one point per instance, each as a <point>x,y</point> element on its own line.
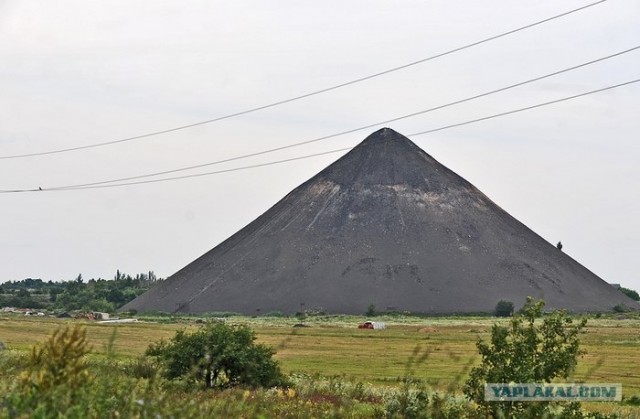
<point>97,315</point>
<point>371,325</point>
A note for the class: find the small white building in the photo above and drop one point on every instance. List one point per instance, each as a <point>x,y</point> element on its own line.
<point>372,325</point>
<point>97,315</point>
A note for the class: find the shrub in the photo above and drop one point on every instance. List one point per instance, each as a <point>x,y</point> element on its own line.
<point>142,367</point>
<point>411,402</point>
<point>371,310</point>
<point>218,355</point>
<point>525,353</point>
<point>504,309</point>
<point>620,308</point>
<point>54,376</point>
<point>60,361</point>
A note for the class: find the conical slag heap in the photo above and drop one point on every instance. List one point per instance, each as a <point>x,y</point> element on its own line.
<point>387,225</point>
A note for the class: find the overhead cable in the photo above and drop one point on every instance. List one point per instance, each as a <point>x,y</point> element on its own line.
<point>326,137</point>
<point>303,96</point>
<point>539,105</point>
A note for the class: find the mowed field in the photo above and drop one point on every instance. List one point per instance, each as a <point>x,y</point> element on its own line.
<point>439,351</point>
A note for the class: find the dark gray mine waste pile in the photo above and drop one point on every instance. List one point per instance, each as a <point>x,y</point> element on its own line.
<point>387,225</point>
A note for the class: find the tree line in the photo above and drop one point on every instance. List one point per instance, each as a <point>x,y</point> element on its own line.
<point>100,294</point>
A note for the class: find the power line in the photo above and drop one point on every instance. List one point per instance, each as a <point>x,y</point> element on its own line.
<point>552,102</point>
<point>272,150</point>
<point>306,95</point>
<point>66,188</point>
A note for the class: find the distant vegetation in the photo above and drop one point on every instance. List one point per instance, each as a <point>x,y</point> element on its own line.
<point>107,295</point>
<point>92,295</point>
<point>503,309</point>
<point>630,293</point>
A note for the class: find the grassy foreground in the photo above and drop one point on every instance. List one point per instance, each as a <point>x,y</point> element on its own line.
<point>374,361</point>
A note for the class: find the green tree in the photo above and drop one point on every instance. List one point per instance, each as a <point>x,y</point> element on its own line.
<point>620,308</point>
<point>526,352</point>
<point>503,309</point>
<point>53,293</point>
<point>75,286</point>
<point>23,293</point>
<point>218,355</point>
<point>371,310</point>
<point>116,297</point>
<point>630,293</point>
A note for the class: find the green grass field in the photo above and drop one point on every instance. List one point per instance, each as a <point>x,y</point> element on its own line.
<point>333,346</point>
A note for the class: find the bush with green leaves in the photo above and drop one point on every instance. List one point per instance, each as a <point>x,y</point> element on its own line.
<point>503,309</point>
<point>620,308</point>
<point>218,355</point>
<point>410,402</point>
<point>526,352</point>
<point>60,361</point>
<point>371,310</point>
<point>54,375</point>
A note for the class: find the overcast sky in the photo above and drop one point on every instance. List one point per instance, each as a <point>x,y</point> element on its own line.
<point>80,72</point>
